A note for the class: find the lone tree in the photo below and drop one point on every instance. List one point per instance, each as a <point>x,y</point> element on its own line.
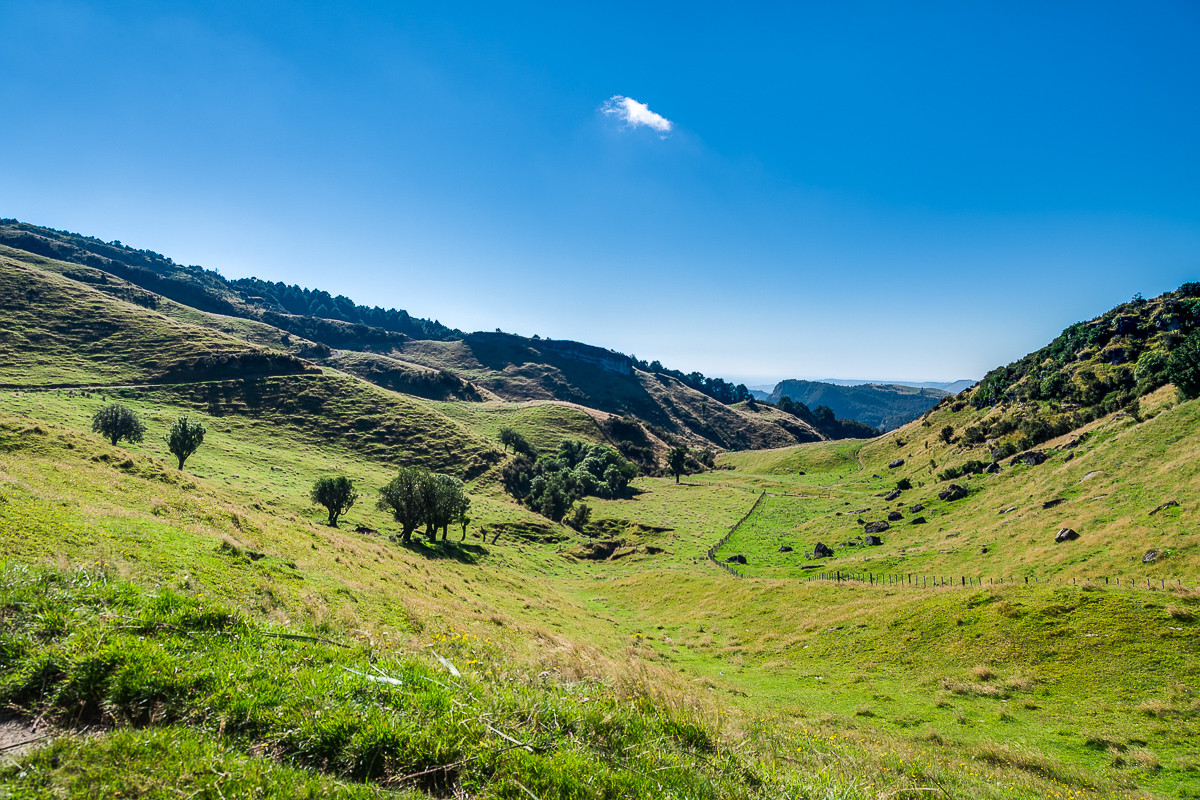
<point>336,494</point>
<point>677,461</point>
<point>117,422</point>
<point>947,434</point>
<point>184,438</point>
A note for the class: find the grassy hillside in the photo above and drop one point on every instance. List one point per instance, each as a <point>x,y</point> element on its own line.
<point>208,623</point>
<point>57,331</point>
<point>653,637</point>
<point>472,367</point>
<point>1104,488</point>
<point>515,368</point>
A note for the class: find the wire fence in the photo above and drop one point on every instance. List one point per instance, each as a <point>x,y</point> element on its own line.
<point>919,581</point>
<point>712,551</point>
<point>969,581</point>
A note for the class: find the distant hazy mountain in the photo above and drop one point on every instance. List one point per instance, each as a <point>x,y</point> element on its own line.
<point>885,406</point>
<point>953,387</point>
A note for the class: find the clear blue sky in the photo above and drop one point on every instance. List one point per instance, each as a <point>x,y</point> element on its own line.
<point>883,190</point>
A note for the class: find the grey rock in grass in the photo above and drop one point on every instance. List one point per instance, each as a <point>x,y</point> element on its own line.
<point>892,495</point>
<point>1065,535</point>
<point>1090,475</point>
<point>917,521</point>
<point>822,550</point>
<point>983,550</point>
<point>1165,506</point>
<point>952,493</point>
<point>1151,556</point>
<point>893,516</point>
<point>1030,457</point>
<point>1008,510</point>
<point>1054,502</point>
<point>738,559</point>
<point>785,548</point>
<point>899,462</point>
<point>916,509</point>
<point>876,527</point>
<point>873,541</point>
<point>992,468</point>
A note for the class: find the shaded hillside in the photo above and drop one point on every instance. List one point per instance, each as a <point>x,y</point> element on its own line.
<point>883,406</point>
<point>516,368</point>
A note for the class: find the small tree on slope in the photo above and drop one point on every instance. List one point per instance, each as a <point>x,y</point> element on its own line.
<point>336,494</point>
<point>117,422</point>
<point>185,437</point>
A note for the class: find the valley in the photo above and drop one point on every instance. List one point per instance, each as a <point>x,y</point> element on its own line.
<point>208,620</point>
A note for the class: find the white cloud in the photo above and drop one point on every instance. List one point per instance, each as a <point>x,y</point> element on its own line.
<point>634,113</point>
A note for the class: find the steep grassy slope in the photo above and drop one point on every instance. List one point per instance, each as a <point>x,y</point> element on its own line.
<point>1103,488</point>
<point>59,332</point>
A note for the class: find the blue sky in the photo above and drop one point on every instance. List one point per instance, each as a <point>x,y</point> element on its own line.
<point>881,190</point>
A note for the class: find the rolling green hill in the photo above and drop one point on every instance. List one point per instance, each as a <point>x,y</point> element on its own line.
<point>398,351</point>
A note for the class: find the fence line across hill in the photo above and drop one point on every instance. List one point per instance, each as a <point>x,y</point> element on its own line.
<point>918,581</point>
<point>969,581</point>
<point>712,551</point>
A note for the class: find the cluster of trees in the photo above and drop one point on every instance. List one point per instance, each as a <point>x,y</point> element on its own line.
<point>1122,336</point>
<point>718,389</point>
<point>551,484</point>
<point>822,418</point>
<point>417,497</point>
<point>116,422</point>
<point>276,296</point>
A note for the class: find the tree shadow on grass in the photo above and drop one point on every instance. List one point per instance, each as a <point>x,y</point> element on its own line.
<point>462,552</point>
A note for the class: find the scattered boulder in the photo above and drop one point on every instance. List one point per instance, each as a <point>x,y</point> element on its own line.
<point>364,529</point>
<point>916,509</point>
<point>738,559</point>
<point>785,548</point>
<point>860,521</point>
<point>821,550</point>
<point>1165,506</point>
<point>983,550</point>
<point>952,493</point>
<point>951,536</point>
<point>1151,556</point>
<point>1090,475</point>
<point>1053,503</point>
<point>899,462</point>
<point>992,468</point>
<point>1065,535</point>
<point>917,521</point>
<point>892,495</point>
<point>1008,510</point>
<point>810,566</point>
<point>894,515</point>
<point>872,541</point>
<point>1030,457</point>
<point>876,527</point>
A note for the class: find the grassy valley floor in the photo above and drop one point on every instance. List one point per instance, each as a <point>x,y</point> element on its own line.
<point>208,621</point>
